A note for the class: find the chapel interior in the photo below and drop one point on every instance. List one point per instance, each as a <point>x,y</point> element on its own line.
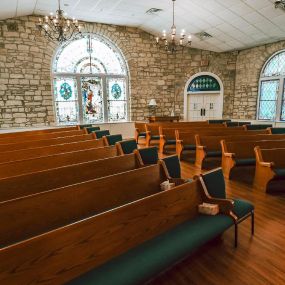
<point>142,142</point>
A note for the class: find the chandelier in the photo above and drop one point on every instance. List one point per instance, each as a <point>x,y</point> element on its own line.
<point>173,42</point>
<point>280,4</point>
<point>59,28</point>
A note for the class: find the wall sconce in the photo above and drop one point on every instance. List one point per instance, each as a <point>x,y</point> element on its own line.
<point>152,105</point>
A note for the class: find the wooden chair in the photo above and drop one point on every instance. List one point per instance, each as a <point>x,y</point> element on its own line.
<point>139,131</point>
<point>214,186</point>
<point>270,165</point>
<point>112,139</point>
<point>148,155</point>
<point>126,147</point>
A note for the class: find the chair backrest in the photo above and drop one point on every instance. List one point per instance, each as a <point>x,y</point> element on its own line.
<point>100,134</point>
<point>85,126</point>
<point>257,127</point>
<point>172,164</point>
<point>92,129</point>
<point>149,155</point>
<point>112,139</point>
<point>127,146</point>
<point>215,183</point>
<point>277,131</point>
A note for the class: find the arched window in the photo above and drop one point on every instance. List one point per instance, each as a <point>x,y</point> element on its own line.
<point>271,103</point>
<point>204,83</point>
<point>90,82</point>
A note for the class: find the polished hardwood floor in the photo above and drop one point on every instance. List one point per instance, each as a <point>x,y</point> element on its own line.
<point>257,260</point>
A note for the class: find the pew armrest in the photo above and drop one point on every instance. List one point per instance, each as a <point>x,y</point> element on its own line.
<point>266,164</point>
<point>202,147</point>
<point>229,154</point>
<point>177,181</point>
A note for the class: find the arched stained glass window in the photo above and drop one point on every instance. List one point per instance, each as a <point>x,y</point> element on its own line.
<point>204,83</point>
<point>90,82</point>
<point>271,102</point>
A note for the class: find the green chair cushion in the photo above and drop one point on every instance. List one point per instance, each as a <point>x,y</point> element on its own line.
<point>143,134</point>
<point>128,146</point>
<point>112,139</point>
<point>189,147</point>
<point>242,208</point>
<point>280,172</point>
<point>155,137</point>
<point>277,131</point>
<point>245,161</point>
<point>86,126</point>
<point>171,142</point>
<point>149,155</point>
<point>216,153</point>
<point>145,261</point>
<point>173,166</point>
<point>100,134</point>
<point>92,129</point>
<point>258,127</point>
<point>218,121</point>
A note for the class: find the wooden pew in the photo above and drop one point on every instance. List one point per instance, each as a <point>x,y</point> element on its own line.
<point>22,154</point>
<point>41,136</point>
<point>187,141</point>
<point>270,165</point>
<point>20,167</point>
<point>33,132</point>
<point>60,255</point>
<point>210,146</point>
<point>36,182</point>
<point>47,142</point>
<point>42,212</point>
<point>241,153</point>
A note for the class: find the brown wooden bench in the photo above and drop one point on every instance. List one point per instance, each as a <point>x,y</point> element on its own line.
<point>20,167</point>
<point>270,165</point>
<point>41,136</point>
<point>60,255</point>
<point>47,142</point>
<point>22,154</point>
<point>210,146</point>
<point>42,212</point>
<point>34,132</point>
<point>241,153</point>
<point>36,182</point>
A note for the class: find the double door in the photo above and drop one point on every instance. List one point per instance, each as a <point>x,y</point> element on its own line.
<point>204,107</point>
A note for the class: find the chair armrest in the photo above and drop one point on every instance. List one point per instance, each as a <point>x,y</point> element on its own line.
<point>225,205</point>
<point>177,181</point>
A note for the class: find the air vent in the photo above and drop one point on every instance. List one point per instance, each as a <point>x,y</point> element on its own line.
<point>203,35</point>
<point>153,11</point>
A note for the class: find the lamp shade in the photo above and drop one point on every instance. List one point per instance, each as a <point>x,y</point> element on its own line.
<point>152,103</point>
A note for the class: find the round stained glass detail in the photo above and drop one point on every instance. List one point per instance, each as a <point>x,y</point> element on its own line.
<point>65,91</point>
<point>116,91</point>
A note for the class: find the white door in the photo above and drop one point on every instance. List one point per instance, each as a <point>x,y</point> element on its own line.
<point>204,107</point>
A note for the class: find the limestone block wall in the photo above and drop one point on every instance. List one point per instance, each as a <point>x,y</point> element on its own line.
<point>248,68</point>
<point>25,72</point>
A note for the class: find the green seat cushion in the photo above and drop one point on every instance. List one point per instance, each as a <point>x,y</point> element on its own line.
<point>215,153</point>
<point>112,139</point>
<point>277,131</point>
<point>218,121</point>
<point>280,172</point>
<point>129,146</point>
<point>86,126</point>
<point>171,142</point>
<point>242,207</point>
<point>189,147</point>
<point>100,134</point>
<point>173,166</point>
<point>149,155</point>
<point>143,134</point>
<point>258,127</point>
<point>245,161</point>
<point>155,137</point>
<point>145,261</point>
<point>92,129</point>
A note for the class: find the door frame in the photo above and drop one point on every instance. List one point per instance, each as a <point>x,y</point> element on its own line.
<point>221,96</point>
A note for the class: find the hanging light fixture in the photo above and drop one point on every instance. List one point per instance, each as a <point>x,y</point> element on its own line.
<point>59,28</point>
<point>173,42</point>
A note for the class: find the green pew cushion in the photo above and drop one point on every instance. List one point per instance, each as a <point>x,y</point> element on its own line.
<point>145,261</point>
<point>86,126</point>
<point>100,134</point>
<point>143,134</point>
<point>170,142</point>
<point>128,146</point>
<point>242,207</point>
<point>218,121</point>
<point>112,139</point>
<point>214,153</point>
<point>155,137</point>
<point>92,129</point>
<point>258,127</point>
<point>173,166</point>
<point>149,155</point>
<point>245,161</point>
<point>189,147</point>
<point>280,172</point>
<point>277,131</point>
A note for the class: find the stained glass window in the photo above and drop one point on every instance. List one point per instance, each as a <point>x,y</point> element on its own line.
<point>271,93</point>
<point>90,84</point>
<point>204,83</point>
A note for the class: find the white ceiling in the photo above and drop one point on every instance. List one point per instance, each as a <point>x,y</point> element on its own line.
<point>234,24</point>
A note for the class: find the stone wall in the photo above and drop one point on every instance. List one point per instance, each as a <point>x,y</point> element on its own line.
<point>248,68</point>
<point>25,72</point>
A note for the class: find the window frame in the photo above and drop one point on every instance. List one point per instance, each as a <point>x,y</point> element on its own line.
<point>281,89</point>
<point>103,76</point>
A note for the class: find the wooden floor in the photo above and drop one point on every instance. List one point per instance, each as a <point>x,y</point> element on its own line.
<point>258,260</point>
